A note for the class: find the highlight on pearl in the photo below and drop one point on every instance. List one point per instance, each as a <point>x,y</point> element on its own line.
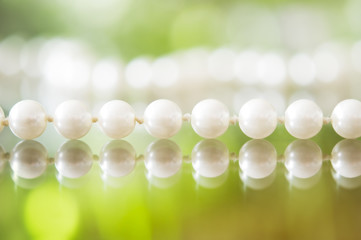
<point>163,118</point>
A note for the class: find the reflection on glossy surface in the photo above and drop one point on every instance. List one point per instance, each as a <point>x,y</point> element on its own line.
<point>303,158</point>
<point>187,199</point>
<point>210,158</point>
<point>347,183</point>
<point>163,183</point>
<point>2,158</point>
<point>163,158</point>
<point>304,183</point>
<point>257,183</point>
<point>27,183</point>
<point>116,182</point>
<point>72,183</point>
<point>117,158</point>
<point>73,159</point>
<point>28,159</point>
<point>346,158</point>
<point>210,182</point>
<point>258,158</point>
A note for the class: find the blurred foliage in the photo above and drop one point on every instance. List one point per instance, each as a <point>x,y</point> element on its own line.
<point>153,27</point>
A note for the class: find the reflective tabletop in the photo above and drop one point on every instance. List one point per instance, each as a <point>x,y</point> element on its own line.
<point>215,189</point>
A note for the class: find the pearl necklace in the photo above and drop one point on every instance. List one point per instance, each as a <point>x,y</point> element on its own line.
<point>163,159</point>
<point>163,119</point>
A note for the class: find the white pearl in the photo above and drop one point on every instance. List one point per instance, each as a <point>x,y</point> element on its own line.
<point>303,158</point>
<point>28,159</point>
<point>346,158</point>
<point>210,158</point>
<point>162,118</point>
<point>258,158</point>
<point>27,119</point>
<point>72,119</point>
<point>257,118</point>
<point>346,118</point>
<point>210,118</point>
<point>116,119</point>
<point>117,158</point>
<point>303,119</point>
<point>2,118</point>
<point>163,158</point>
<point>73,159</point>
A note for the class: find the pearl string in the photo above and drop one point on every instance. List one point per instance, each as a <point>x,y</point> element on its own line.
<point>163,119</point>
<point>163,158</point>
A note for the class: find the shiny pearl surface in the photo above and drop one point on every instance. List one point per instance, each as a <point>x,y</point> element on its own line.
<point>346,158</point>
<point>163,118</point>
<point>117,158</point>
<point>257,118</point>
<point>258,158</point>
<point>116,119</point>
<point>27,119</point>
<point>74,159</point>
<point>163,158</point>
<point>28,159</point>
<point>346,118</point>
<point>210,118</point>
<point>303,158</point>
<point>303,119</point>
<point>72,119</point>
<point>210,158</point>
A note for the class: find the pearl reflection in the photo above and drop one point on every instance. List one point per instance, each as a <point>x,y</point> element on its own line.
<point>346,158</point>
<point>210,158</point>
<point>163,158</point>
<point>27,183</point>
<point>257,183</point>
<point>210,183</point>
<point>2,158</point>
<point>304,183</point>
<point>347,183</point>
<point>28,159</point>
<point>258,158</point>
<point>303,158</point>
<point>73,159</point>
<point>117,158</point>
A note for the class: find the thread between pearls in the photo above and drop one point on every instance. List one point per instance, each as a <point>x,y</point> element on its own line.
<point>139,120</point>
<point>5,122</point>
<point>209,118</point>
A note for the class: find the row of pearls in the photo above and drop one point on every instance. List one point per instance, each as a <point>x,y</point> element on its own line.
<point>163,119</point>
<point>210,158</point>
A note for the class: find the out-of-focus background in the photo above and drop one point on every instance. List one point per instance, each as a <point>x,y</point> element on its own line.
<point>142,50</point>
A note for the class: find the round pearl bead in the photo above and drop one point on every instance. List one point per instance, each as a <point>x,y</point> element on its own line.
<point>210,158</point>
<point>72,119</point>
<point>303,119</point>
<point>346,118</point>
<point>162,118</point>
<point>258,158</point>
<point>117,158</point>
<point>74,159</point>
<point>28,159</point>
<point>27,119</point>
<point>163,158</point>
<point>257,118</point>
<point>116,119</point>
<point>210,118</point>
<point>346,158</point>
<point>303,158</point>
